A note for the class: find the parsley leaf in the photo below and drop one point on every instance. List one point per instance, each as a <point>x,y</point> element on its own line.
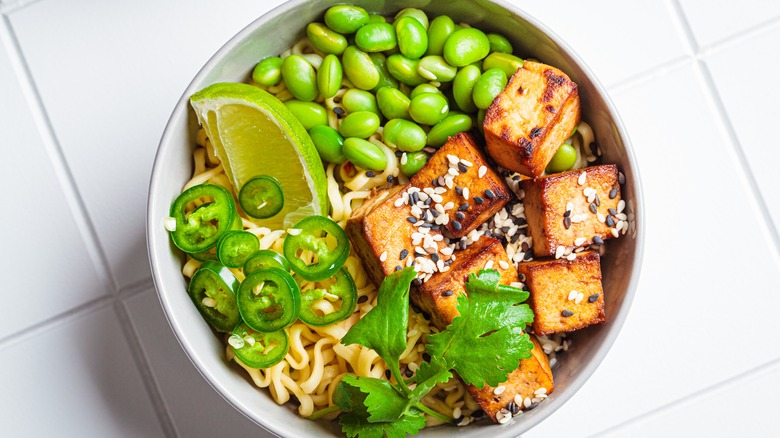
<point>383,329</point>
<point>486,342</point>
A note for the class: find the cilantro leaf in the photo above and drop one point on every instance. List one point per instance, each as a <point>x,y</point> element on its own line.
<point>354,424</point>
<point>355,420</point>
<point>427,376</point>
<point>486,342</point>
<point>383,329</point>
<point>382,401</point>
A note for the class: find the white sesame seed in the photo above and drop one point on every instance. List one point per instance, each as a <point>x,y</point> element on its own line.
<point>409,261</point>
<point>449,206</point>
<point>580,249</point>
<point>413,189</point>
<point>572,295</point>
<point>592,197</point>
<point>615,232</point>
<point>446,219</point>
<point>553,361</point>
<point>383,257</point>
<point>482,171</point>
<point>569,206</point>
<point>428,190</point>
<point>438,237</point>
<point>440,265</point>
<point>559,251</point>
<point>579,241</point>
<point>588,191</point>
<point>398,202</point>
<point>453,159</point>
<point>465,193</point>
<point>622,216</point>
<point>209,302</point>
<point>446,251</point>
<point>423,197</point>
<point>466,162</point>
<point>437,198</point>
<point>464,422</point>
<point>236,341</point>
<point>294,231</point>
<point>579,298</point>
<point>519,398</point>
<point>581,179</point>
<point>499,390</point>
<point>404,159</point>
<point>503,264</point>
<point>621,206</point>
<point>527,402</point>
<point>456,413</point>
<point>170,224</point>
<point>439,208</point>
<point>571,256</point>
<point>439,190</point>
<point>406,197</point>
<point>579,218</point>
<point>601,217</point>
<point>489,265</point>
<point>453,171</point>
<point>449,182</point>
<point>504,419</point>
<point>419,250</point>
<point>416,211</point>
<point>540,391</point>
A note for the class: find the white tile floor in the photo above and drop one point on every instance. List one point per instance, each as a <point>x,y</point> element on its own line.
<point>86,88</point>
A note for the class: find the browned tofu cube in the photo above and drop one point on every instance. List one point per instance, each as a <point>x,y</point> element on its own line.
<point>471,188</point>
<point>439,295</point>
<point>526,382</point>
<point>387,236</point>
<point>529,120</point>
<point>566,295</point>
<point>573,209</point>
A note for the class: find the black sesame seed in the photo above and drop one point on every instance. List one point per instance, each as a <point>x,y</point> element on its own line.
<point>435,227</point>
<point>504,229</point>
<point>398,268</point>
<point>370,173</point>
<point>566,313</point>
<point>524,246</point>
<point>516,178</point>
<point>521,221</point>
<point>597,201</point>
<point>426,225</point>
<point>459,190</point>
<point>514,238</point>
<point>448,262</point>
<point>415,196</point>
<point>399,154</point>
<point>459,215</point>
<point>612,211</point>
<point>535,132</point>
<point>567,213</point>
<point>417,282</point>
<point>593,208</point>
<point>567,222</point>
<point>462,167</point>
<point>428,201</point>
<point>513,408</point>
<point>338,111</point>
<point>489,194</point>
<point>593,298</point>
<point>478,199</point>
<point>447,293</point>
<point>429,150</point>
<point>434,213</point>
<point>390,178</point>
<point>528,256</point>
<point>533,406</point>
<point>598,240</point>
<point>521,277</point>
<point>388,374</point>
<point>441,181</point>
<point>426,357</point>
<point>463,244</point>
<point>435,257</point>
<point>613,193</point>
<point>435,182</point>
<point>488,233</point>
<point>404,253</point>
<point>408,373</point>
<point>363,299</point>
<point>610,222</point>
<point>457,225</point>
<point>505,173</point>
<point>464,206</point>
<point>412,219</point>
<point>621,178</point>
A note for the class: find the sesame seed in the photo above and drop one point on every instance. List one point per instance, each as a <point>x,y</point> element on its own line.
<point>596,200</point>
<point>504,419</point>
<point>513,408</point>
<point>489,194</point>
<point>527,402</point>
<point>463,207</point>
<point>528,256</point>
<point>593,298</point>
<point>459,190</point>
<point>489,264</point>
<point>499,390</point>
<point>503,264</point>
<point>370,174</point>
<point>479,200</point>
<point>456,413</point>
<point>581,179</point>
<point>383,257</point>
<point>412,219</point>
<point>408,372</point>
<point>621,206</point>
<point>339,111</point>
<point>601,217</point>
<point>459,215</point>
<point>388,374</point>
<point>464,421</point>
<point>453,171</point>
<point>598,240</point>
<point>462,168</point>
<point>437,198</point>
<point>390,178</point>
<point>621,178</point>
<point>572,295</point>
<point>569,206</point>
<point>559,251</point>
<point>362,299</point>
<point>482,171</point>
<point>571,256</point>
<point>620,225</point>
<point>609,221</point>
<point>404,253</point>
<point>447,293</point>
<point>466,162</point>
<point>579,298</point>
<point>398,202</point>
<point>466,192</point>
<point>540,391</point>
<point>593,208</point>
<point>567,222</point>
<point>567,313</point>
<point>294,231</point>
<point>579,241</point>
<point>435,257</point>
<point>398,268</point>
<point>613,193</point>
<point>453,159</point>
<point>621,216</point>
<point>404,159</point>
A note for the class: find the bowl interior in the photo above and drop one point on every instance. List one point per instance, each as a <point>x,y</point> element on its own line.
<point>271,34</point>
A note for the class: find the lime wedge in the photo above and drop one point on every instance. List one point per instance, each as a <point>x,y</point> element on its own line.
<point>254,134</point>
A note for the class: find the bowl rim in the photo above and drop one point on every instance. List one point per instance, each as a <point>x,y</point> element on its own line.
<point>597,355</point>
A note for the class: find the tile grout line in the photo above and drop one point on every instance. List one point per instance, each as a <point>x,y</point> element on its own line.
<point>57,157</point>
<point>690,398</point>
<point>13,6</point>
<point>648,75</point>
<point>147,375</point>
<point>741,36</point>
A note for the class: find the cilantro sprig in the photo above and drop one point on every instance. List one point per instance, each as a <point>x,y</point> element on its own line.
<point>483,345</point>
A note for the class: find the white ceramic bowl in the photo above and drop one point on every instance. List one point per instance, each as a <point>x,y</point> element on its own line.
<point>279,29</point>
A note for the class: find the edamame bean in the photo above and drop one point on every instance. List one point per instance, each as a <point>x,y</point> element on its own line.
<point>404,69</point>
<point>488,86</point>
<point>465,46</point>
<point>375,37</point>
<point>328,142</point>
<point>404,135</point>
<point>359,68</point>
<point>361,124</point>
<point>268,72</point>
<point>310,114</point>
<point>355,100</point>
<point>499,43</point>
<point>463,87</point>
<point>300,78</point>
<point>376,18</point>
<point>411,36</point>
<point>413,163</point>
<point>448,127</point>
<point>385,78</point>
<point>329,76</point>
<point>435,68</point>
<point>429,108</point>
<point>326,39</point>
<point>506,62</point>
<point>424,88</point>
<point>563,159</point>
<point>440,29</point>
<point>346,19</point>
<point>417,14</point>
<point>393,103</point>
<point>364,154</point>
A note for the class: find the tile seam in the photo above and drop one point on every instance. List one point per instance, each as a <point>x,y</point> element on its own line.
<point>56,156</point>
<point>646,76</point>
<point>741,37</point>
<point>13,6</point>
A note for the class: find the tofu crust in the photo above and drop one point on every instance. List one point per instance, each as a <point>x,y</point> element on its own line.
<point>551,283</point>
<point>529,120</point>
<point>546,200</point>
<point>463,146</point>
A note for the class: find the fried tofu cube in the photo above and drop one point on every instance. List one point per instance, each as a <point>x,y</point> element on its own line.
<point>530,380</point>
<point>566,295</point>
<point>573,209</point>
<point>439,295</point>
<point>382,234</point>
<point>529,120</point>
<point>475,190</point>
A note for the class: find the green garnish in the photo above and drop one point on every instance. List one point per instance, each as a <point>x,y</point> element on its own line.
<point>490,325</point>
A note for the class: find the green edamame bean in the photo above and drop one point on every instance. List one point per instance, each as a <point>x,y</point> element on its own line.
<point>268,72</point>
<point>415,13</point>
<point>563,159</point>
<point>448,127</point>
<point>463,87</point>
<point>375,37</point>
<point>404,135</point>
<point>466,46</point>
<point>346,19</point>
<point>488,86</point>
<point>413,163</point>
<point>364,154</point>
<point>435,68</point>
<point>499,43</point>
<point>300,78</point>
<point>355,100</point>
<point>506,62</point>
<point>429,108</point>
<point>359,68</point>
<point>376,18</point>
<point>440,29</point>
<point>310,114</point>
<point>361,124</point>
<point>328,142</point>
<point>404,69</point>
<point>385,78</point>
<point>393,103</point>
<point>411,36</point>
<point>329,76</point>
<point>325,39</point>
<point>424,88</point>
